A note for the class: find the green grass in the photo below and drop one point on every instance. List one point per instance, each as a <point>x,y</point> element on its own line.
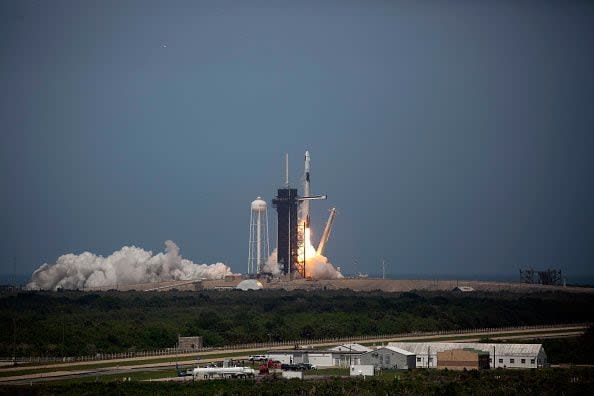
<point>334,371</point>
<point>136,376</point>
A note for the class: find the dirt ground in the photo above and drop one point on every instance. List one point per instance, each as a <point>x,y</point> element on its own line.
<point>356,284</point>
<point>402,285</point>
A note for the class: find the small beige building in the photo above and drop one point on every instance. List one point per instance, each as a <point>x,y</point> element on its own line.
<point>188,343</point>
<point>460,359</point>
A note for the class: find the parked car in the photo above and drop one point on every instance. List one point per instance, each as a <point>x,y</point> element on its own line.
<point>306,366</point>
<point>291,367</point>
<point>258,358</point>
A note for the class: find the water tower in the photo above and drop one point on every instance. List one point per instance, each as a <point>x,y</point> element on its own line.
<point>259,249</point>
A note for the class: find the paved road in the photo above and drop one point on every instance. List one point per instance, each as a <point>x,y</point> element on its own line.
<point>117,366</point>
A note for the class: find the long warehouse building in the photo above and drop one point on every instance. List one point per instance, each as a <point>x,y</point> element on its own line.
<point>500,355</point>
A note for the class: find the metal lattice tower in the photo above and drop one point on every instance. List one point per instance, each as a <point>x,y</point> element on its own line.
<point>259,247</point>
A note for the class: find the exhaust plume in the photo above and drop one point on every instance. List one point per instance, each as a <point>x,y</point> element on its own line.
<point>272,264</point>
<point>129,265</point>
<point>317,266</point>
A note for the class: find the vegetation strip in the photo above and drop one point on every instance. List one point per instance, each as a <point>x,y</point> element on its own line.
<point>171,361</point>
<point>575,381</point>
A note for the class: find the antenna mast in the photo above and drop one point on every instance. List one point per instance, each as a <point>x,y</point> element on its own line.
<point>287,170</point>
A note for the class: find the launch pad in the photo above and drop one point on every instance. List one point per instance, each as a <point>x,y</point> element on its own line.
<point>289,220</point>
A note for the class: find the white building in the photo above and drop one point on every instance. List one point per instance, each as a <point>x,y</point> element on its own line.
<point>500,355</point>
<point>285,357</point>
<point>317,358</point>
<point>320,358</point>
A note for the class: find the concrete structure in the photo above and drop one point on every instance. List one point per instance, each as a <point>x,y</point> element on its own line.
<point>389,358</point>
<point>365,370</point>
<point>500,355</point>
<point>463,359</point>
<point>187,343</point>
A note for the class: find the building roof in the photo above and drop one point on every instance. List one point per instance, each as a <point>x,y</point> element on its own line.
<point>398,350</point>
<point>313,351</point>
<point>464,288</point>
<point>421,348</point>
<point>350,348</point>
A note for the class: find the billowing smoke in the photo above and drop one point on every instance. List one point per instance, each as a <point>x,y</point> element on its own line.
<point>272,264</point>
<point>129,265</point>
<point>317,267</point>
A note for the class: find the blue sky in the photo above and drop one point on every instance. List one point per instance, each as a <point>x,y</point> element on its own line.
<point>454,138</point>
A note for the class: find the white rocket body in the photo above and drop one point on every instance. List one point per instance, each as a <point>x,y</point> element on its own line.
<point>305,203</point>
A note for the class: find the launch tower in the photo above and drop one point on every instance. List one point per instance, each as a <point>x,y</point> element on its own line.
<point>286,203</point>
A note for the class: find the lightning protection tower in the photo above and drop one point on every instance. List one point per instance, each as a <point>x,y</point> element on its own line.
<point>259,248</point>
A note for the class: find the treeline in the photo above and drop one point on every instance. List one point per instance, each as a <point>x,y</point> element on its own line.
<point>573,350</point>
<point>77,323</point>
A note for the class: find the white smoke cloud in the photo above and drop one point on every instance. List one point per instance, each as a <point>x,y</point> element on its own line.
<point>272,264</point>
<point>129,265</point>
<point>320,268</point>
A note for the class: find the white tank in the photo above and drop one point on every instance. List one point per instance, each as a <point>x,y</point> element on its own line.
<point>259,205</point>
<point>249,284</point>
<point>259,249</point>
